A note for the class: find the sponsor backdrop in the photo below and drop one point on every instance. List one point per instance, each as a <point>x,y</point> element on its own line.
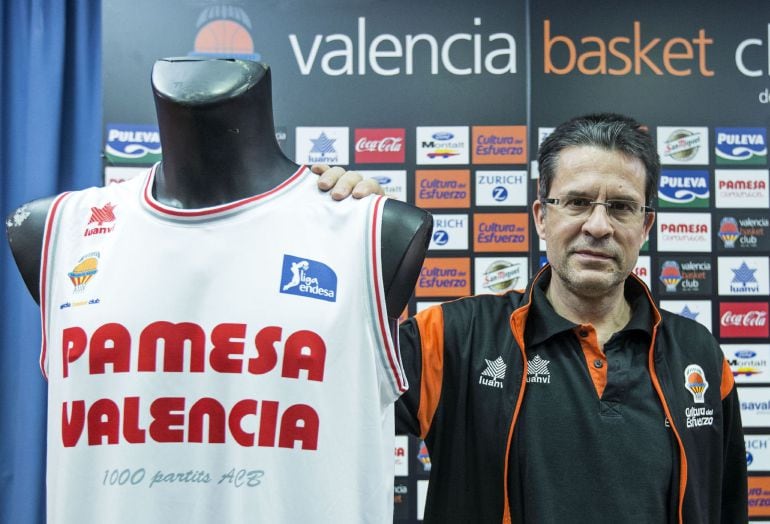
<point>446,103</point>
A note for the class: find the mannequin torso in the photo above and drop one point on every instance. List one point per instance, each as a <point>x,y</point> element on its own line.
<point>218,139</point>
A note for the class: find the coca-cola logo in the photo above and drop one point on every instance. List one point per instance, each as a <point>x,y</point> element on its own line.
<point>748,319</point>
<point>383,145</point>
<point>743,319</point>
<point>386,144</point>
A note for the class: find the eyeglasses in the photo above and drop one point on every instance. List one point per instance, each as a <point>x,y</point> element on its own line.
<point>624,211</point>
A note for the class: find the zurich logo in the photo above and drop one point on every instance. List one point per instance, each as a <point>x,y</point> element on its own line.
<point>500,193</point>
<point>443,136</point>
<point>749,458</point>
<point>440,237</point>
<point>308,278</point>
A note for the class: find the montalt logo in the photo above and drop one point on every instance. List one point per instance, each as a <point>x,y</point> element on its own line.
<point>359,51</point>
<point>494,373</point>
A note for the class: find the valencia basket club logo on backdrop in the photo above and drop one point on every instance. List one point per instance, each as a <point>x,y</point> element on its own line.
<point>308,278</point>
<point>224,31</point>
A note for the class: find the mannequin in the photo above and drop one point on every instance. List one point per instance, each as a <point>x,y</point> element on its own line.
<point>201,345</point>
<point>218,139</point>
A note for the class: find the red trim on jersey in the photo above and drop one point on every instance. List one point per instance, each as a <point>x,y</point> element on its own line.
<point>44,280</point>
<point>384,328</point>
<point>157,206</point>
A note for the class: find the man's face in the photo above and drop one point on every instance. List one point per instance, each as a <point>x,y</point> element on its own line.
<point>593,253</point>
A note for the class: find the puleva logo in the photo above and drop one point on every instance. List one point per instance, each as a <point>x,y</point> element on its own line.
<point>683,189</point>
<point>741,145</point>
<point>695,382</point>
<point>495,371</point>
<point>308,278</point>
<point>132,144</point>
<point>537,370</point>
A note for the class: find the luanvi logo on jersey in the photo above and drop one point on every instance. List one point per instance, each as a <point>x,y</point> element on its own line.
<point>99,217</point>
<point>495,371</point>
<point>308,278</point>
<point>537,370</point>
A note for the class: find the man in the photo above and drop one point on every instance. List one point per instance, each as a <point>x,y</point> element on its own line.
<point>576,400</point>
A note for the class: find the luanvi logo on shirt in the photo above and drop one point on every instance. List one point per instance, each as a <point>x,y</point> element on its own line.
<point>495,371</point>
<point>308,278</point>
<point>537,370</point>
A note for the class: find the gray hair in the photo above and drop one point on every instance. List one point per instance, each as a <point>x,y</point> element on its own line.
<point>609,131</point>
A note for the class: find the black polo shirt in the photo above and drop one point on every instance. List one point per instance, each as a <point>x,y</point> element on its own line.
<point>591,443</point>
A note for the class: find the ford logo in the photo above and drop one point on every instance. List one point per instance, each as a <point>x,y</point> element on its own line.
<point>443,136</point>
<point>746,353</point>
<point>382,180</point>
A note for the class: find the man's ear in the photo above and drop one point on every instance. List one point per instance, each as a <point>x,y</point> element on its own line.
<point>649,220</point>
<point>538,214</point>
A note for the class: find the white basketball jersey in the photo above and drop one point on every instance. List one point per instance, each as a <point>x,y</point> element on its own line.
<point>226,364</point>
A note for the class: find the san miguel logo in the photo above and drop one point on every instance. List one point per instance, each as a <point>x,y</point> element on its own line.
<point>683,145</point>
<point>101,220</point>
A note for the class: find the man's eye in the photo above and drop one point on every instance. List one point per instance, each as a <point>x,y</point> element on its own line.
<point>578,203</point>
<point>621,206</point>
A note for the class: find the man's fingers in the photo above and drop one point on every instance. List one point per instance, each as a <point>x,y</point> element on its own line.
<point>329,176</point>
<point>345,184</point>
<point>367,186</point>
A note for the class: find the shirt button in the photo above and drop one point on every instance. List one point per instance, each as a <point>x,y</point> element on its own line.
<point>598,363</point>
<point>583,333</point>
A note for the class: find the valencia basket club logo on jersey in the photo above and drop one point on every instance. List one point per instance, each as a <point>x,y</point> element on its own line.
<point>308,278</point>
<point>695,382</point>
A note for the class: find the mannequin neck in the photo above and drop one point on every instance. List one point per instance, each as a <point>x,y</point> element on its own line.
<point>216,130</point>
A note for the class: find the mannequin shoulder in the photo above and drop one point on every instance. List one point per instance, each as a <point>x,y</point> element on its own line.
<point>25,228</point>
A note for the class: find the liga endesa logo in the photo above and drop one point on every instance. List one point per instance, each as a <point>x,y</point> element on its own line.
<point>743,319</point>
<point>379,146</point>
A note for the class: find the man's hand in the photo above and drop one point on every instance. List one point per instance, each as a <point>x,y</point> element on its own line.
<point>344,183</point>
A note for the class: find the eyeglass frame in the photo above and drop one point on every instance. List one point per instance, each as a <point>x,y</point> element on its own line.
<point>643,210</point>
